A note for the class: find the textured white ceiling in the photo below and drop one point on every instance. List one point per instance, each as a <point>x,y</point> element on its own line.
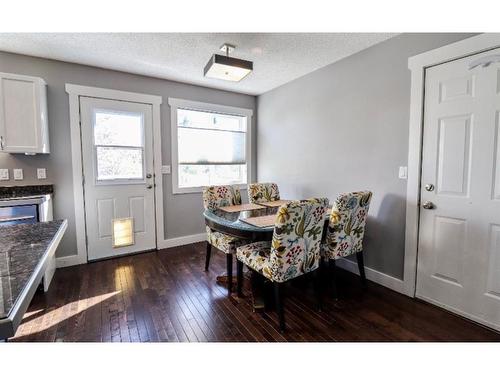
<point>278,58</point>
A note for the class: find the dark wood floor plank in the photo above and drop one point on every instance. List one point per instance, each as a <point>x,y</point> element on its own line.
<point>167,296</point>
<point>210,317</point>
<point>238,315</point>
<point>216,296</point>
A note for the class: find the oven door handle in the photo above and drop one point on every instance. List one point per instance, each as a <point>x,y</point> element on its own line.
<point>16,218</point>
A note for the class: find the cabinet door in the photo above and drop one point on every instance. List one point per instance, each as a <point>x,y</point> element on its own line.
<point>23,114</point>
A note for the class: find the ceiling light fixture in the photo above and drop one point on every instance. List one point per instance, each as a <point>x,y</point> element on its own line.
<point>227,68</point>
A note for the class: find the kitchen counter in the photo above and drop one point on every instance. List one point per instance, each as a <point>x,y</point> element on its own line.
<point>25,251</point>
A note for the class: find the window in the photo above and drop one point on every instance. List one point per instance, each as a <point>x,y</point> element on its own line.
<point>210,145</point>
<point>119,146</point>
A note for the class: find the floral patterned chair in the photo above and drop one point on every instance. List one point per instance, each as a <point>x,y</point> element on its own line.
<point>294,249</point>
<point>346,230</point>
<point>263,192</point>
<point>214,197</point>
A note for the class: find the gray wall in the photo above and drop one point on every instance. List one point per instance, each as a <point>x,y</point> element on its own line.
<point>343,128</point>
<point>182,212</point>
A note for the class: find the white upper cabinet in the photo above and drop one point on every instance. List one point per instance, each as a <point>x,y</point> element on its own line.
<point>23,114</point>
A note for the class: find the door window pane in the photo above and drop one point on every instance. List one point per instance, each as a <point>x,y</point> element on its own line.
<point>119,145</point>
<point>118,129</point>
<point>119,163</point>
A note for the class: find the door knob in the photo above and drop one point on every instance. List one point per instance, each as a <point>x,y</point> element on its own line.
<point>428,205</point>
<point>149,187</point>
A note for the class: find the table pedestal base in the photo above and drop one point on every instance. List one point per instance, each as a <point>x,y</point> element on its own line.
<point>256,292</point>
<point>222,279</point>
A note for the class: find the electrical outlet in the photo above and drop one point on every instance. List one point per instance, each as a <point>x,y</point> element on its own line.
<point>165,169</point>
<point>41,173</point>
<point>403,173</point>
<point>4,174</point>
<point>18,174</point>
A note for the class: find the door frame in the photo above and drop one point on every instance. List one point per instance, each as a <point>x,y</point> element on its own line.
<point>418,64</point>
<point>75,92</point>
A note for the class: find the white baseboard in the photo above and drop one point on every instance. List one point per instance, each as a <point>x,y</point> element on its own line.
<point>179,241</point>
<point>73,260</point>
<point>373,275</point>
<point>68,261</point>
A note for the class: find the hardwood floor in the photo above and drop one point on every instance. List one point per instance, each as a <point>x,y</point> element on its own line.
<point>166,296</point>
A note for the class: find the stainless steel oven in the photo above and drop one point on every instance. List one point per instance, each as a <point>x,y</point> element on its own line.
<point>24,210</point>
<point>21,214</point>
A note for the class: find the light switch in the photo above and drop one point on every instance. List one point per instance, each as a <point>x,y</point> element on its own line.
<point>41,173</point>
<point>165,169</point>
<point>403,173</point>
<point>18,174</point>
<point>4,174</point>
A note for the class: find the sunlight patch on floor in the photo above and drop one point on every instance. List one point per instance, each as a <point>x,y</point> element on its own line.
<point>56,316</point>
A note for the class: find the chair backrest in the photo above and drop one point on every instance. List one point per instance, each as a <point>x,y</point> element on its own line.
<point>296,244</point>
<point>220,196</point>
<point>347,224</point>
<point>263,192</point>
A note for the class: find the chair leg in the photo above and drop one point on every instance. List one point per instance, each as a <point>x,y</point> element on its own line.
<point>239,277</point>
<point>318,288</point>
<point>207,257</point>
<point>229,260</point>
<point>361,266</point>
<point>280,308</point>
<point>331,269</point>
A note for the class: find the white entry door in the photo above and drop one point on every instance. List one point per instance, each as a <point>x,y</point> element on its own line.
<point>117,152</point>
<point>459,243</point>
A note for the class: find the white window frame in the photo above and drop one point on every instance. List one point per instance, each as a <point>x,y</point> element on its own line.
<point>119,181</point>
<point>176,104</point>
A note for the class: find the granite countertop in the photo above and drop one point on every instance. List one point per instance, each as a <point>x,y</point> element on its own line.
<point>7,192</point>
<point>21,249</point>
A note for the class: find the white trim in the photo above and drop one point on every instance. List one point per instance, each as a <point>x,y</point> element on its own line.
<point>378,277</point>
<point>68,261</point>
<point>97,92</point>
<point>23,77</point>
<point>208,107</point>
<point>418,64</point>
<point>75,91</point>
<point>76,162</point>
<point>184,240</point>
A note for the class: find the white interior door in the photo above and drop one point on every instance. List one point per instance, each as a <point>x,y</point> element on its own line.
<point>459,243</point>
<point>117,152</point>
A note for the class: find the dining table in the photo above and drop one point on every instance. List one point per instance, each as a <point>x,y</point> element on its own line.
<point>233,222</point>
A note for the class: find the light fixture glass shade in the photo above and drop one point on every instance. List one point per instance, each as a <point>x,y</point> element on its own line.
<point>123,232</point>
<point>227,68</point>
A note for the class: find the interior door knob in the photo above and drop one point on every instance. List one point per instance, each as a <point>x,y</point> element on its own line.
<point>149,187</point>
<point>428,205</point>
